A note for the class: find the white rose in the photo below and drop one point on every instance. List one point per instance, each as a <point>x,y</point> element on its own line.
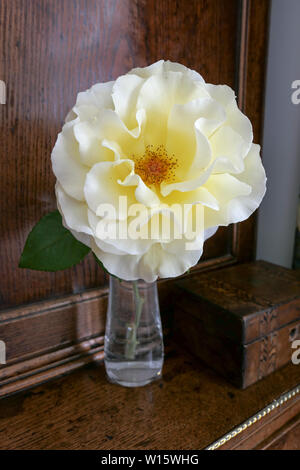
<point>157,136</point>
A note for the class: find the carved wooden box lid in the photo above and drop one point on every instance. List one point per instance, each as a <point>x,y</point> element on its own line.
<point>241,320</point>
<point>257,297</point>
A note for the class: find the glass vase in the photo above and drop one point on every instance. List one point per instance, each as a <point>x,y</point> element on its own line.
<point>133,338</point>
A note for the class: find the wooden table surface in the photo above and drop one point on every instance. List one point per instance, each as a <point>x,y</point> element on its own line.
<point>189,408</point>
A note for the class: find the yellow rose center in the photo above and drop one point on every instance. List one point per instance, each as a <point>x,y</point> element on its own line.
<point>155,166</point>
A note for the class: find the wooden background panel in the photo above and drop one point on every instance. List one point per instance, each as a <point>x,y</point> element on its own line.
<point>252,58</point>
<point>51,49</point>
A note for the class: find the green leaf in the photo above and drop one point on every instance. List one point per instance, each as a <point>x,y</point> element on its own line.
<point>51,247</point>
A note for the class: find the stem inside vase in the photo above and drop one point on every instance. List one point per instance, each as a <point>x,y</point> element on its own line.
<point>133,337</point>
<point>132,342</point>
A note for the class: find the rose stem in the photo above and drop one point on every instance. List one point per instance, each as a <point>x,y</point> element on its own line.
<point>132,341</point>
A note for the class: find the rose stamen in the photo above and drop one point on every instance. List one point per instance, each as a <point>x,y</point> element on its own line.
<point>155,166</point>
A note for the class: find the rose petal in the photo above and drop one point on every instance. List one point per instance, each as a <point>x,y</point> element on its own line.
<point>199,195</point>
<point>189,126</point>
<point>229,148</point>
<point>238,196</point>
<point>240,124</point>
<point>102,187</point>
<point>98,95</point>
<point>125,267</point>
<point>158,95</point>
<point>163,66</point>
<point>114,242</point>
<point>143,193</point>
<point>189,184</point>
<point>125,94</point>
<point>66,163</point>
<point>235,118</point>
<point>221,93</point>
<point>75,212</point>
<point>169,260</point>
<point>157,262</point>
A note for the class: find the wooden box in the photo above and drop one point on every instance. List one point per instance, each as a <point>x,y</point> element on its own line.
<point>241,320</point>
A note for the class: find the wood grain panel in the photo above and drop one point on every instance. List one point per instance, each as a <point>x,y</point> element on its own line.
<point>286,438</point>
<point>188,408</point>
<point>255,436</point>
<point>50,50</point>
<point>250,83</point>
<point>52,338</point>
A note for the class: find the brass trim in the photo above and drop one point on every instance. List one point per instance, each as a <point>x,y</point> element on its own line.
<point>261,414</point>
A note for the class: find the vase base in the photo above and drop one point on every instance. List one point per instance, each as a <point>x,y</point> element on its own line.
<point>130,374</point>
